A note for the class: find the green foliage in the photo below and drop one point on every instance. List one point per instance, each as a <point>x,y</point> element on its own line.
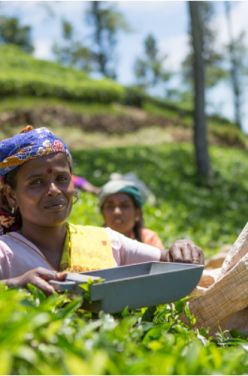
<point>133,97</point>
<point>14,60</point>
<point>105,22</point>
<point>229,135</point>
<point>71,52</point>
<point>149,71</point>
<point>211,216</point>
<point>23,75</point>
<point>9,103</point>
<point>41,336</point>
<point>11,32</point>
<point>86,287</point>
<point>237,54</point>
<point>98,55</point>
<point>213,58</point>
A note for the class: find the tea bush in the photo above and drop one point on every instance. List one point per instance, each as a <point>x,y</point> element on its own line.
<point>41,336</point>
<point>22,75</point>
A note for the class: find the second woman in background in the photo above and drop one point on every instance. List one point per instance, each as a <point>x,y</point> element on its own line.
<point>121,206</point>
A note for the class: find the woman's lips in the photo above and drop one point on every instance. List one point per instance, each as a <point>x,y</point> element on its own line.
<point>117,221</point>
<point>55,205</point>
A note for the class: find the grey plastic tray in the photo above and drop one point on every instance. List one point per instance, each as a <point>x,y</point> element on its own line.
<point>135,286</point>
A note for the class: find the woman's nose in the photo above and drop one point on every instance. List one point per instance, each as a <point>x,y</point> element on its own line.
<point>53,189</point>
<point>117,210</point>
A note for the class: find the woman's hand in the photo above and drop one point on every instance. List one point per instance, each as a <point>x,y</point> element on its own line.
<point>37,277</point>
<point>184,251</point>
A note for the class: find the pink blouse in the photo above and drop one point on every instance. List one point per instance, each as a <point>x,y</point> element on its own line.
<point>17,256</point>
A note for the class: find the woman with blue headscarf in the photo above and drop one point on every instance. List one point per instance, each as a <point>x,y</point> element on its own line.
<point>36,198</point>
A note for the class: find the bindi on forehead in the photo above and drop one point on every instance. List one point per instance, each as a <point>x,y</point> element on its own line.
<point>49,170</point>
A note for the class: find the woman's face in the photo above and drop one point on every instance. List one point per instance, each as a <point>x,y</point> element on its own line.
<point>120,213</point>
<point>44,191</point>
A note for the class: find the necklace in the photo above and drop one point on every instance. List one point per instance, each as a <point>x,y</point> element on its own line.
<point>33,249</point>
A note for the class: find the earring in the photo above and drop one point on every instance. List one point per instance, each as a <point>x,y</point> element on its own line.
<point>137,219</point>
<point>12,210</point>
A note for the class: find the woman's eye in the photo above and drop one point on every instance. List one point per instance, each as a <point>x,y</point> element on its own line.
<point>37,182</point>
<point>62,178</point>
<point>113,207</point>
<point>108,207</point>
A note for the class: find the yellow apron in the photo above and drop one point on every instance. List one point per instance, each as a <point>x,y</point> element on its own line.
<point>86,248</point>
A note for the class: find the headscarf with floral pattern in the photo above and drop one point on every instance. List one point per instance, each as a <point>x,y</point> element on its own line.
<point>29,144</point>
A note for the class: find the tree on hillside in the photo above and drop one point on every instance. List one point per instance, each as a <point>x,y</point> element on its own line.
<point>178,95</point>
<point>71,52</point>
<point>200,127</point>
<point>237,51</point>
<point>98,55</point>
<point>150,70</point>
<point>11,32</point>
<point>106,23</point>
<point>212,56</point>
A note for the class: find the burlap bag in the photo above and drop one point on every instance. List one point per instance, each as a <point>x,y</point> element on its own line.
<point>224,292</point>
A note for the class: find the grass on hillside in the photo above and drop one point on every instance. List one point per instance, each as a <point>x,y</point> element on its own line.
<point>211,216</point>
<point>77,139</point>
<point>22,74</point>
<point>26,82</point>
<point>152,109</point>
<point>14,59</point>
<point>226,135</point>
<point>28,102</point>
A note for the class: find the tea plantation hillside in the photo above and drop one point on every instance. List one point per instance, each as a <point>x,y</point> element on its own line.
<point>98,112</point>
<point>23,75</point>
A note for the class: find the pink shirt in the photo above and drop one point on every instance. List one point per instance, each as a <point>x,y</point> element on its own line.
<point>17,256</point>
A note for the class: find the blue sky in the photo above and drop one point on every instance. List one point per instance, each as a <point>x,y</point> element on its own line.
<point>166,20</point>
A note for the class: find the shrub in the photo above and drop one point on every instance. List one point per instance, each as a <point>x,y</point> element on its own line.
<point>23,75</point>
<point>41,336</point>
<point>133,97</point>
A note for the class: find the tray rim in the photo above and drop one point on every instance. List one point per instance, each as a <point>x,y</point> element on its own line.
<point>192,266</point>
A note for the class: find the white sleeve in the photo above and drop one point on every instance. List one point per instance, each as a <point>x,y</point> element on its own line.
<point>4,262</point>
<point>127,251</point>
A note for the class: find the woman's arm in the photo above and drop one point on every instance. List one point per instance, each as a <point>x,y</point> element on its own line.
<point>150,237</point>
<point>37,277</point>
<point>127,251</point>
